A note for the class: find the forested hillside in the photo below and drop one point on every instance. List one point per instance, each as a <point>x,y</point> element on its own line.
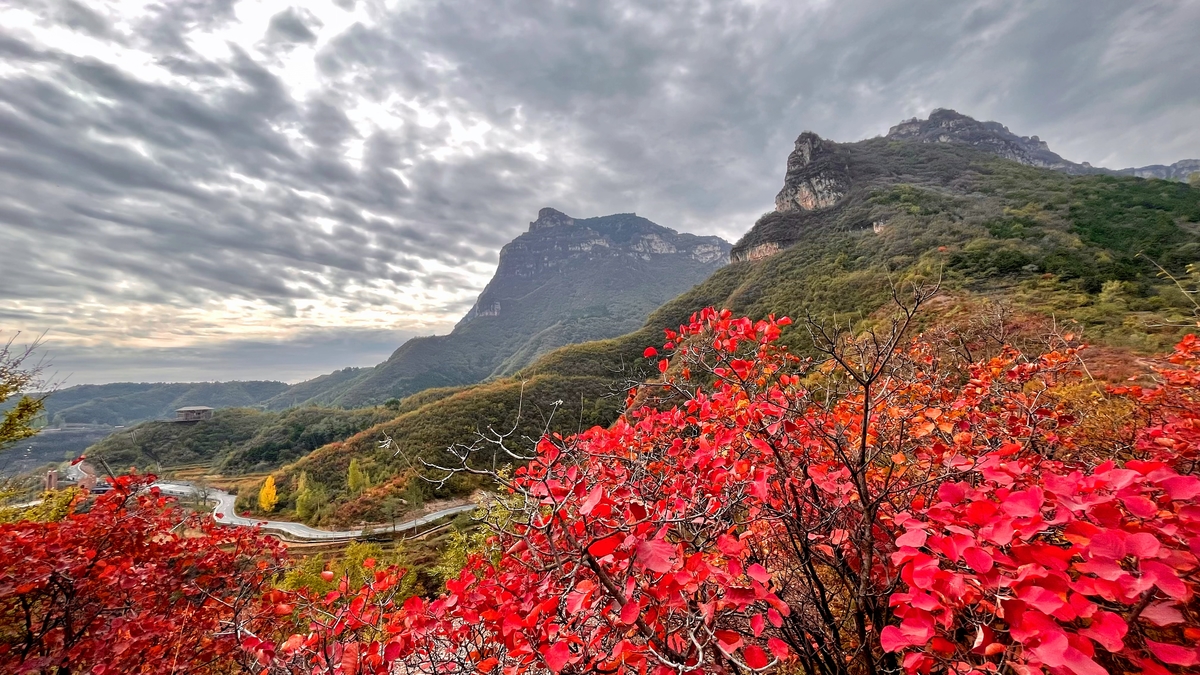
<point>997,234</point>
<point>235,440</point>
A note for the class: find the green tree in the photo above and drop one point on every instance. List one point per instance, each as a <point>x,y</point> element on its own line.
<point>1194,179</point>
<point>357,478</point>
<point>309,500</point>
<point>17,376</point>
<point>267,497</point>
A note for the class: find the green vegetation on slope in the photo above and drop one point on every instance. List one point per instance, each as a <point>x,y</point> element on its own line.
<point>1044,241</point>
<point>235,440</point>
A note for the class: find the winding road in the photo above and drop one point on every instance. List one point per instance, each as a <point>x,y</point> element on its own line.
<point>224,514</point>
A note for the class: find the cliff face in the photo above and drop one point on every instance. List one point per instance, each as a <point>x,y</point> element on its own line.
<point>823,176</point>
<point>816,177</point>
<point>557,246</point>
<point>565,280</point>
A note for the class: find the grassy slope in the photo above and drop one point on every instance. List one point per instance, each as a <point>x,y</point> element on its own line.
<point>1045,241</point>
<point>234,441</point>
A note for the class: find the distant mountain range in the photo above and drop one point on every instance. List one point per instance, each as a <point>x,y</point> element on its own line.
<point>564,281</point>
<point>129,402</point>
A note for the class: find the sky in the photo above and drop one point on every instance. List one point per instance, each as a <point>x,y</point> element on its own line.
<point>262,189</point>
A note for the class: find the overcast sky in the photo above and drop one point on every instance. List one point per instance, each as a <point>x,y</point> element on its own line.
<point>238,189</point>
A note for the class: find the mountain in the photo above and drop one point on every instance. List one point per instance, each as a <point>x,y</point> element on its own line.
<point>565,280</point>
<point>948,126</point>
<point>1025,232</point>
<point>124,403</point>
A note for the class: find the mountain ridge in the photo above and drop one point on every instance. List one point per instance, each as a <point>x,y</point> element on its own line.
<point>563,280</point>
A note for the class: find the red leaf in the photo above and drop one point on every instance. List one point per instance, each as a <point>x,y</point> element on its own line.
<point>1173,654</point>
<point>757,624</point>
<point>1024,503</point>
<point>557,656</point>
<point>662,365</point>
<point>914,538</point>
<point>630,612</point>
<point>656,555</point>
<point>1108,629</point>
<point>592,500</point>
<point>728,640</point>
<point>892,639</point>
<point>650,352</point>
<point>603,547</point>
<point>978,559</point>
<point>758,573</point>
<point>778,647</point>
<point>755,657</point>
<point>1163,614</point>
<point>1181,488</point>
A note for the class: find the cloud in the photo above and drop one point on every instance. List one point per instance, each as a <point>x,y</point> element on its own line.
<point>202,173</point>
<point>292,25</point>
<point>294,359</point>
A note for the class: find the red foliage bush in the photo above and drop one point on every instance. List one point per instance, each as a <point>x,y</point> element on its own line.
<point>878,510</point>
<point>117,587</point>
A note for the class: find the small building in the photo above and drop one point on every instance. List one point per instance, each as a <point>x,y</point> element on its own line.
<point>193,413</point>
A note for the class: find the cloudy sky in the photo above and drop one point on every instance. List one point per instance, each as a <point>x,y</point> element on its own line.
<point>198,190</point>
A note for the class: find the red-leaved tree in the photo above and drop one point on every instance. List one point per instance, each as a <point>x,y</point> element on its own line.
<point>885,507</point>
<point>128,584</point>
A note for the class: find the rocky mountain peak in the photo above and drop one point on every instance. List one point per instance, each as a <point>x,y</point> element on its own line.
<point>949,126</point>
<point>549,217</point>
<point>816,176</point>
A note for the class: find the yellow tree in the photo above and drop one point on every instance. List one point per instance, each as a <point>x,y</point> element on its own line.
<point>266,495</point>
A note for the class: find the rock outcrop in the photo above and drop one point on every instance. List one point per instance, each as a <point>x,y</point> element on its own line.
<point>815,179</point>
<point>549,217</point>
<point>1180,170</point>
<point>948,126</point>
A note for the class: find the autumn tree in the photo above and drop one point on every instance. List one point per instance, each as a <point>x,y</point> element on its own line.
<point>18,375</point>
<point>129,584</point>
<point>267,498</point>
<point>310,497</point>
<point>887,506</point>
<point>356,477</point>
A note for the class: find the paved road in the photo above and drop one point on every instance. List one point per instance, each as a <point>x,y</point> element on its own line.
<point>224,514</point>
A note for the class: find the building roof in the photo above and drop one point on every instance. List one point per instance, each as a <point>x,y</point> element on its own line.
<point>191,408</point>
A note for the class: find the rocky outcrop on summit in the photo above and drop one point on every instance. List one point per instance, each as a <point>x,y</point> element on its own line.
<point>816,177</point>
<point>565,280</point>
<point>824,179</point>
<point>549,217</point>
<point>948,126</point>
<point>1181,170</point>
